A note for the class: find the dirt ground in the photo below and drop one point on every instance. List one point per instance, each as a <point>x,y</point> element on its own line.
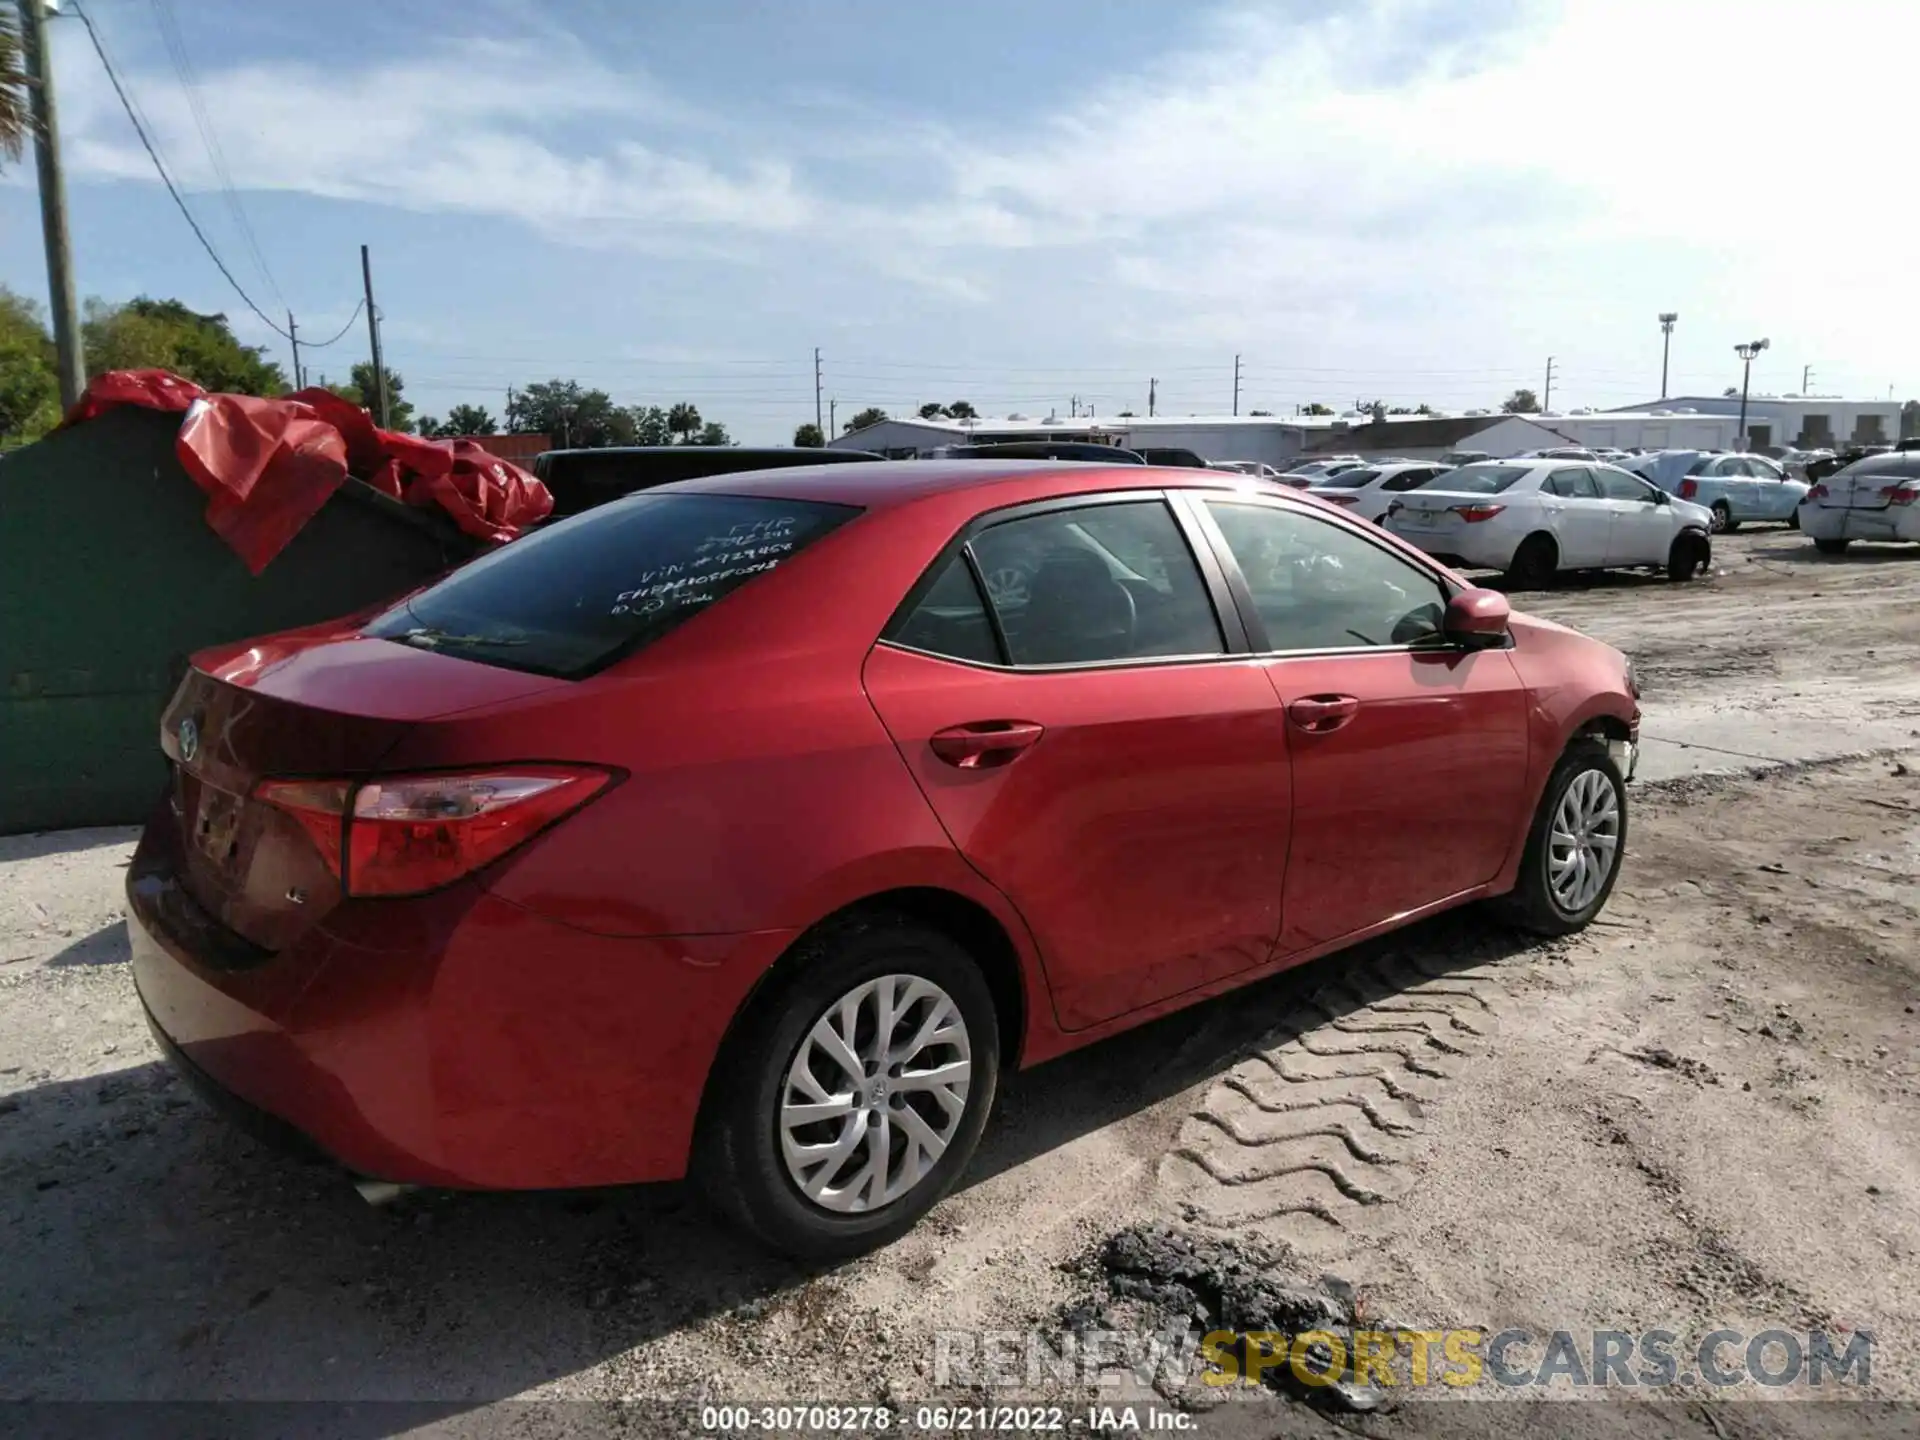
<point>1701,1112</point>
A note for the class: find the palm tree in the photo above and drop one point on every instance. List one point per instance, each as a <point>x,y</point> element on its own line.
<point>16,122</point>
<point>684,420</point>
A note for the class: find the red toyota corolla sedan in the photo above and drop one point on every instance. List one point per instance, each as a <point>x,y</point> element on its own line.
<point>748,826</point>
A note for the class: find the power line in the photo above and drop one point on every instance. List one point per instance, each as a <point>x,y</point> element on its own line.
<point>176,46</point>
<point>358,306</point>
<point>147,144</point>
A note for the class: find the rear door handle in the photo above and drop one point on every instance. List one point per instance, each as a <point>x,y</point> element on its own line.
<point>984,744</point>
<point>1317,714</point>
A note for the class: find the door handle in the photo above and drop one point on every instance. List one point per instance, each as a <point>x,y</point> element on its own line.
<point>1318,714</point>
<point>984,744</point>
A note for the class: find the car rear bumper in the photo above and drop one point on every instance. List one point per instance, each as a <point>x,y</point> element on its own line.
<point>498,1050</point>
<point>1840,522</point>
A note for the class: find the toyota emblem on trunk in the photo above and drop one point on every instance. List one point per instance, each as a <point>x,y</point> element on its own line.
<point>189,739</point>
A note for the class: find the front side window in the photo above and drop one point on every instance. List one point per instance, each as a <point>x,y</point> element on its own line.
<point>1618,485</point>
<point>1097,583</point>
<point>1318,586</point>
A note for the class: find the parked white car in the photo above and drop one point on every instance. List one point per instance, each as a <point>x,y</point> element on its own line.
<point>1369,489</point>
<point>1537,518</point>
<point>1876,498</point>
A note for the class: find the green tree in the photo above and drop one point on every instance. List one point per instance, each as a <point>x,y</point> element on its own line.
<point>809,435</point>
<point>1521,402</point>
<point>1318,409</point>
<point>1910,420</point>
<point>164,334</point>
<point>469,420</point>
<point>570,415</point>
<point>872,415</point>
<point>399,410</point>
<point>934,410</point>
<point>1260,412</point>
<point>29,388</point>
<point>684,421</point>
<point>961,410</point>
<point>650,425</point>
<point>713,433</point>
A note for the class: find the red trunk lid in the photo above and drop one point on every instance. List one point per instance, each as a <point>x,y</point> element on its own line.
<point>307,704</point>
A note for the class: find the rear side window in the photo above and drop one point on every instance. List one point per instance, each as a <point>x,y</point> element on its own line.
<point>1097,583</point>
<point>575,597</point>
<point>1350,479</point>
<point>951,619</point>
<point>1573,483</point>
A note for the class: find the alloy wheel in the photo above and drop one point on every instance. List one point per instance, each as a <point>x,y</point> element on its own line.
<point>1585,841</point>
<point>875,1093</point>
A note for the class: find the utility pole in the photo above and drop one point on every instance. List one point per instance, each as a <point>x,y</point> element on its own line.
<point>816,391</point>
<point>53,202</point>
<point>1236,384</point>
<point>1153,395</point>
<point>1546,400</point>
<point>293,336</point>
<point>1806,379</point>
<point>1746,353</point>
<point>833,417</point>
<point>1667,317</point>
<point>373,334</point>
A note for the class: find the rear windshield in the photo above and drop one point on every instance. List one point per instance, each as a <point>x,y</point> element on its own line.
<point>572,598</point>
<point>1349,479</point>
<point>1478,479</point>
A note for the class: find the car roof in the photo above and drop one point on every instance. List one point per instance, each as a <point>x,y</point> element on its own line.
<point>889,484</point>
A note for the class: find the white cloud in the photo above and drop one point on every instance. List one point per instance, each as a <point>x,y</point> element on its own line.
<point>1401,178</point>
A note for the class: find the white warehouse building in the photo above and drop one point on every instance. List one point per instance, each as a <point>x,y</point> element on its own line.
<point>1281,441</point>
<point>1804,421</point>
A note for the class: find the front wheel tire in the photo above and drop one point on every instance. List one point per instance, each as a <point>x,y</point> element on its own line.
<point>855,1091</point>
<point>1574,849</point>
<point>1686,558</point>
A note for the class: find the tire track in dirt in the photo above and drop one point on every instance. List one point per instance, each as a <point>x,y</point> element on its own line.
<point>1319,1117</point>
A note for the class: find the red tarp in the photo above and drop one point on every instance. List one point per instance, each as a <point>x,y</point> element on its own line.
<point>269,465</point>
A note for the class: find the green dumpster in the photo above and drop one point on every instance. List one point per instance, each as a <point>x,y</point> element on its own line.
<point>110,578</point>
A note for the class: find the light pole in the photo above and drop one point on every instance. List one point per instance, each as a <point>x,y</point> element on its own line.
<point>1667,317</point>
<point>1746,353</point>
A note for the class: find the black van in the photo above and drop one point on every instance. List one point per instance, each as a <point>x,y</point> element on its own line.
<point>581,479</point>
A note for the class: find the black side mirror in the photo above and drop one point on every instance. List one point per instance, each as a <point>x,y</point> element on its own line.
<point>1660,497</point>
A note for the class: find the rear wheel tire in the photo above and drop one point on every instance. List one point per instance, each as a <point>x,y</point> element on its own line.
<point>1723,521</point>
<point>754,1157</point>
<point>1686,558</point>
<point>1534,563</point>
<point>1581,824</point>
<point>1832,547</point>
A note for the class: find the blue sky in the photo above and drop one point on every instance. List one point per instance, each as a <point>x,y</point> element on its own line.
<point>1014,204</point>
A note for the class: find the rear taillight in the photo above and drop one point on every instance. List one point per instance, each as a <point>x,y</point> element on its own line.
<point>1818,492</point>
<point>1902,495</point>
<point>1473,514</point>
<point>405,834</point>
<point>1689,489</point>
